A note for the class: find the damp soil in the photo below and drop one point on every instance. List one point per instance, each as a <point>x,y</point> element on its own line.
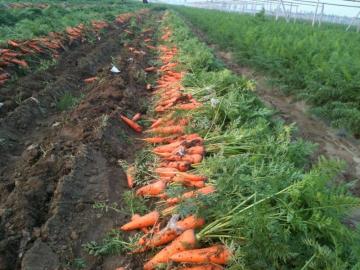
<point>54,165</point>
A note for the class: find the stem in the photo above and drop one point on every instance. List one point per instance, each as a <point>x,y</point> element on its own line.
<point>308,262</point>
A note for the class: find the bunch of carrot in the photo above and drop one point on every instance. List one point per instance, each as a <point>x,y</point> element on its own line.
<point>99,25</point>
<point>178,152</point>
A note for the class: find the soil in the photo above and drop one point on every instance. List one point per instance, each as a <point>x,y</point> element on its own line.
<point>55,165</point>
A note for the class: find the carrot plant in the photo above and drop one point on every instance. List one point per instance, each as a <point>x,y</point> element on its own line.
<point>268,207</point>
<point>319,65</point>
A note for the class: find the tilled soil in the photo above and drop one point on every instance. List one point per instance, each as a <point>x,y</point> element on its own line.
<point>56,165</point>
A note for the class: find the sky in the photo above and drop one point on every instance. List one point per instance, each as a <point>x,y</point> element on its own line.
<point>330,10</point>
<point>342,11</point>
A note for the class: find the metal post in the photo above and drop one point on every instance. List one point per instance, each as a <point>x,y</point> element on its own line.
<point>296,13</point>
<point>277,12</point>
<point>284,10</point>
<point>290,11</point>
<point>352,21</point>
<point>321,14</point>
<point>316,10</point>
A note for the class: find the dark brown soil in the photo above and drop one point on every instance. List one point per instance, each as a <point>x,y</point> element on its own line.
<point>55,165</point>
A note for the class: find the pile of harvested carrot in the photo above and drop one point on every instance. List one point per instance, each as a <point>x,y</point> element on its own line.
<point>17,51</point>
<point>178,152</point>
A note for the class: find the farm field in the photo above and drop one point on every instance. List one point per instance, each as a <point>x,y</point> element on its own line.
<point>131,146</point>
<point>318,65</point>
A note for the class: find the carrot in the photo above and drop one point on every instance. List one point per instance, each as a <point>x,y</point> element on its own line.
<point>203,267</point>
<point>191,222</point>
<point>136,117</point>
<point>218,254</point>
<point>130,176</point>
<point>90,80</point>
<point>19,62</point>
<point>182,166</point>
<point>152,189</point>
<point>202,191</point>
<point>200,150</point>
<point>192,177</point>
<point>150,69</point>
<point>136,216</point>
<point>166,172</point>
<point>187,106</point>
<point>167,130</point>
<point>131,124</point>
<point>156,123</point>
<point>120,268</point>
<point>167,148</point>
<point>144,221</point>
<point>158,239</point>
<point>13,43</point>
<point>185,241</point>
<point>156,140</point>
<point>193,159</point>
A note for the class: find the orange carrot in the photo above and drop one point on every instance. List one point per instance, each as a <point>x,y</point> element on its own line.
<point>200,150</point>
<point>191,222</point>
<point>182,166</point>
<point>120,268</point>
<point>218,254</point>
<point>131,124</point>
<point>90,80</point>
<point>185,241</point>
<point>192,177</point>
<point>153,189</point>
<point>202,191</point>
<point>144,221</point>
<point>130,172</point>
<point>187,106</point>
<point>156,139</point>
<point>136,216</point>
<point>166,172</point>
<point>150,69</point>
<point>158,239</point>
<point>203,267</point>
<point>156,123</point>
<point>136,117</point>
<point>167,130</point>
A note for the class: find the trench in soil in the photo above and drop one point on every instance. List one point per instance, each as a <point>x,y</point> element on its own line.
<point>55,165</point>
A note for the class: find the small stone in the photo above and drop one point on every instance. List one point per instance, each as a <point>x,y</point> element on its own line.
<point>74,235</point>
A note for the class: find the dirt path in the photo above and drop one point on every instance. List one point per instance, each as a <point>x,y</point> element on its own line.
<point>55,165</point>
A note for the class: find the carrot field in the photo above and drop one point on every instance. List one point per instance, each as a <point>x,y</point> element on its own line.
<point>128,144</point>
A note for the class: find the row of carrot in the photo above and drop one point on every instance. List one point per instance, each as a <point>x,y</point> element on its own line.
<point>178,153</point>
<point>27,5</point>
<point>17,51</point>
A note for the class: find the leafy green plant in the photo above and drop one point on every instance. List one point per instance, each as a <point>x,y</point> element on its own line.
<point>268,207</point>
<point>319,65</point>
<point>68,101</point>
<point>112,244</point>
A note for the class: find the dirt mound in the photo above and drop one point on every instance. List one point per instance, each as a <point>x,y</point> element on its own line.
<point>55,165</point>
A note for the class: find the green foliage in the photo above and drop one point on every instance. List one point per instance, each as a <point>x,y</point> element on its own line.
<point>134,204</point>
<point>112,244</point>
<point>320,65</point>
<point>68,101</point>
<point>268,208</point>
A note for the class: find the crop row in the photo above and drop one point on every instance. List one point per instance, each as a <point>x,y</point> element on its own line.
<point>265,210</point>
<point>319,65</point>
